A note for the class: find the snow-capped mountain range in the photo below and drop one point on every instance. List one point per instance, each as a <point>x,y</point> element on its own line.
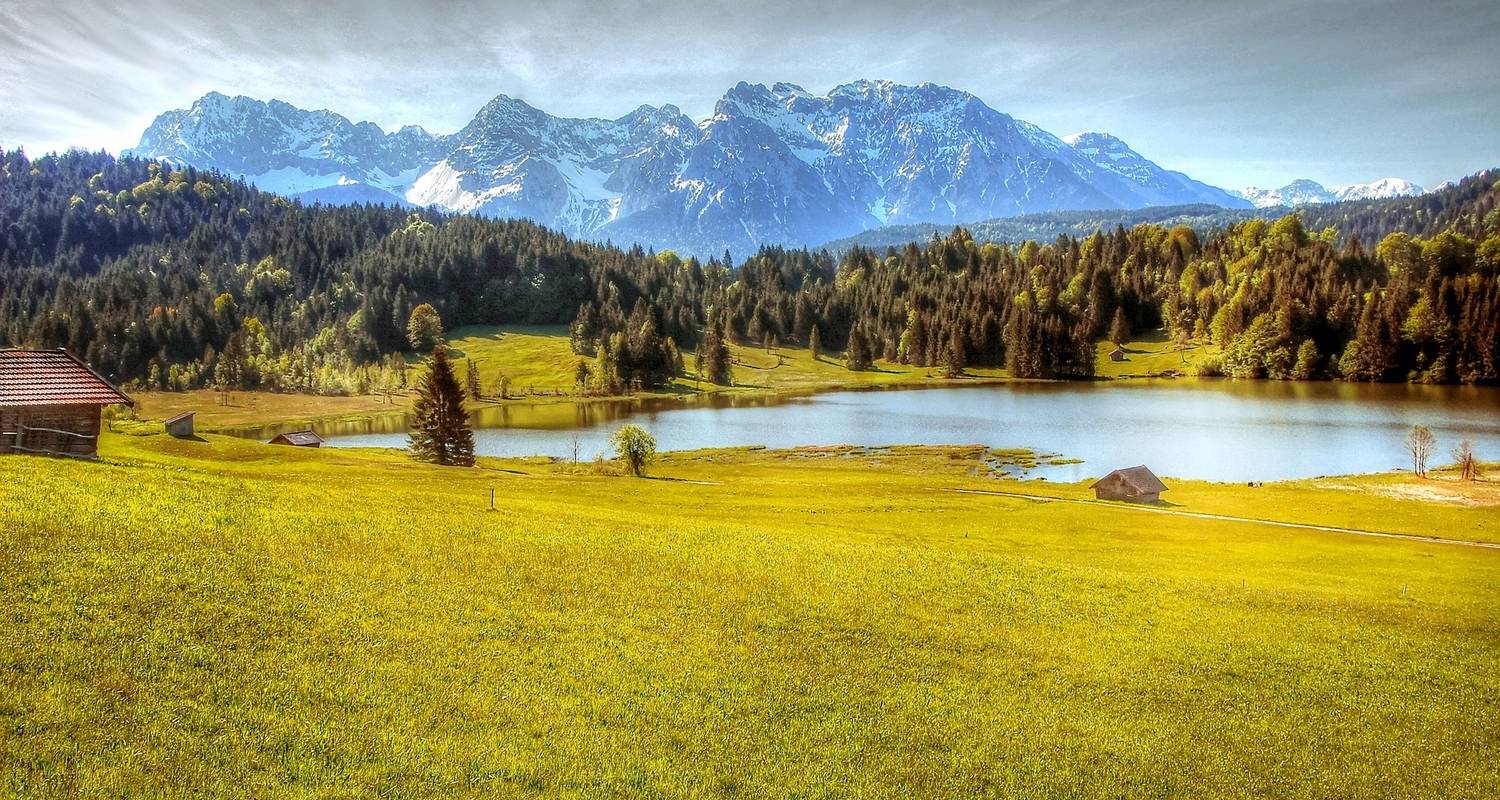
<point>771,165</point>
<point>1305,192</point>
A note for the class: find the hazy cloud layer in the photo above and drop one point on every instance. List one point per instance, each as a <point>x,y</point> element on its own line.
<point>1232,93</point>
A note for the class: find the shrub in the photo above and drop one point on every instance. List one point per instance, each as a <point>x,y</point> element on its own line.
<point>634,447</point>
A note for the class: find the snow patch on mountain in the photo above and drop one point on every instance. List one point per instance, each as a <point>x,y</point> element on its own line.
<point>1307,192</point>
<point>1382,189</point>
<point>441,186</point>
<point>293,180</point>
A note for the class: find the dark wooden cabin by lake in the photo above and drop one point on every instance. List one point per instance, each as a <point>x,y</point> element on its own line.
<point>298,439</point>
<point>51,403</point>
<point>1133,484</point>
<point>1117,354</point>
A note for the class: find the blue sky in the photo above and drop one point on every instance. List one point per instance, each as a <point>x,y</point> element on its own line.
<point>1231,93</point>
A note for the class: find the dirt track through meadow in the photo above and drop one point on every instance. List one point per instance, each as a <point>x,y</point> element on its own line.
<point>1412,537</point>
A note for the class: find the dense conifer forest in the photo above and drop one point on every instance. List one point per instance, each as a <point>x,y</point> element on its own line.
<point>177,278</point>
<point>1425,215</point>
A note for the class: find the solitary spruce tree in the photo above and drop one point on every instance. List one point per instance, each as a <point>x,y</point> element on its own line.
<point>1119,328</point>
<point>441,432</point>
<point>718,364</point>
<point>857,356</point>
<point>471,380</point>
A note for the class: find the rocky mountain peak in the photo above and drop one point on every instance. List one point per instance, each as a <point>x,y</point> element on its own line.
<point>772,165</point>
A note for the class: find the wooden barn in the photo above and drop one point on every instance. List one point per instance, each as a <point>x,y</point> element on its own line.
<point>51,403</point>
<point>298,439</point>
<point>1134,484</point>
<point>181,426</point>
<point>1117,354</point>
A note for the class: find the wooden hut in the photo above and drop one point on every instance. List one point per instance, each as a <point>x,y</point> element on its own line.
<point>181,426</point>
<point>298,439</point>
<point>51,403</point>
<point>1134,484</point>
<point>1117,354</point>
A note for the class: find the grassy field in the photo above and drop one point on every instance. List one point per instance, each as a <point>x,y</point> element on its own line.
<point>222,618</point>
<point>540,357</point>
<point>533,357</point>
<point>254,409</point>
<point>1152,355</point>
<point>541,367</point>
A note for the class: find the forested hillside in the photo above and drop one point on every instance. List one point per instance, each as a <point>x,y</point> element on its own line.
<point>1460,208</point>
<point>1049,225</point>
<point>178,279</point>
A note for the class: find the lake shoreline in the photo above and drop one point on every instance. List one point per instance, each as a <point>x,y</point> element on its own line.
<point>731,396</point>
<point>1207,429</point>
<point>540,367</point>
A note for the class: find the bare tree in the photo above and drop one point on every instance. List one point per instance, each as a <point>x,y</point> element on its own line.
<point>1419,444</point>
<point>1463,456</point>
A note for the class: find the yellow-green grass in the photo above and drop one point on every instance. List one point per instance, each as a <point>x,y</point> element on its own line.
<point>1440,506</point>
<point>533,357</point>
<point>1152,355</point>
<point>540,357</point>
<point>793,370</point>
<point>255,409</point>
<point>224,618</point>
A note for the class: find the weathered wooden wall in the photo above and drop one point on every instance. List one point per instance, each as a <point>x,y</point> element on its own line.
<point>1113,487</point>
<point>16,424</point>
<point>8,417</point>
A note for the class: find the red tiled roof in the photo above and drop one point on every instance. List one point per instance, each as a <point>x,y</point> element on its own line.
<point>52,378</point>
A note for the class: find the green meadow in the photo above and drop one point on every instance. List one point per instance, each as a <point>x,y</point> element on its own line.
<point>541,367</point>
<point>540,357</point>
<point>220,618</point>
<point>1152,355</point>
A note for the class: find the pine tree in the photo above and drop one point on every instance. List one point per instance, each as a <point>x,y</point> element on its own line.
<point>440,433</point>
<point>857,357</point>
<point>1119,328</point>
<point>1307,360</point>
<point>471,379</point>
<point>229,369</point>
<point>719,368</point>
<point>582,377</point>
<point>955,357</point>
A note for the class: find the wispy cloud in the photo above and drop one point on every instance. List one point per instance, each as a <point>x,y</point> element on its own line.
<point>1236,93</point>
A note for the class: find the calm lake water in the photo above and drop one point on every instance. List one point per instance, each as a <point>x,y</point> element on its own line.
<point>1213,430</point>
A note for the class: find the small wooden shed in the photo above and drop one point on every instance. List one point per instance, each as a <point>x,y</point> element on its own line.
<point>298,439</point>
<point>181,426</point>
<point>1117,354</point>
<point>51,403</point>
<point>1133,484</point>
